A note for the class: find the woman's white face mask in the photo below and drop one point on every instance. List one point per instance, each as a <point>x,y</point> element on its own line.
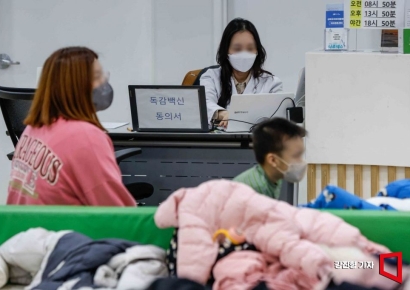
<point>242,61</point>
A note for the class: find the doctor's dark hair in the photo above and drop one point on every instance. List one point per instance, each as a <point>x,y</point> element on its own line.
<point>237,25</point>
<point>65,89</point>
<point>268,137</point>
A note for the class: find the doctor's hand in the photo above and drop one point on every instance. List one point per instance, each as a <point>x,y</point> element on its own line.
<point>223,116</point>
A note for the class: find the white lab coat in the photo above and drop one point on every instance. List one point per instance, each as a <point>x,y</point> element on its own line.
<point>211,80</point>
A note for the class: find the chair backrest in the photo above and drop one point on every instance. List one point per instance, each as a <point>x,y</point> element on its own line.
<point>15,104</point>
<point>190,77</point>
<point>193,76</point>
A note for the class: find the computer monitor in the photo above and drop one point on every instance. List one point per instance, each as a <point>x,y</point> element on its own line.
<point>245,111</point>
<point>300,92</point>
<point>168,108</point>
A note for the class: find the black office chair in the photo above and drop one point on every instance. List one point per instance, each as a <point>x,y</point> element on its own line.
<point>15,104</point>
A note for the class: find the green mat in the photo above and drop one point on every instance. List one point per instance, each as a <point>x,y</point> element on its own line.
<point>389,228</point>
<point>135,224</point>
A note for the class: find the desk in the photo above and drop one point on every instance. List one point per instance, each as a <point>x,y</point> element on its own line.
<point>170,161</point>
<point>121,136</point>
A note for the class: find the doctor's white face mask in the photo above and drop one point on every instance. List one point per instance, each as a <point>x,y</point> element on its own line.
<point>242,61</point>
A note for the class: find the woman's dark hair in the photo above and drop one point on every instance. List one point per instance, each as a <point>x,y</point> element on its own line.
<point>237,25</point>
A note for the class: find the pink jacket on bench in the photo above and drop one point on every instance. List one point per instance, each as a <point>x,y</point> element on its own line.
<point>274,227</point>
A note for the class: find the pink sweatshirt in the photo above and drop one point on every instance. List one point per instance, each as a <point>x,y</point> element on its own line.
<point>67,163</point>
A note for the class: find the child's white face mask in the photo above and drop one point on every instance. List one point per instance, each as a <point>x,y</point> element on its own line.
<point>295,171</point>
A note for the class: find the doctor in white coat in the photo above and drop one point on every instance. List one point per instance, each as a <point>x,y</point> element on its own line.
<point>240,57</point>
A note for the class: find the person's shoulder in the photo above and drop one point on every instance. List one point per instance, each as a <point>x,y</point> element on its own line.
<point>82,132</point>
<point>244,176</point>
<point>268,76</point>
<point>212,71</point>
<point>78,126</point>
<point>271,81</point>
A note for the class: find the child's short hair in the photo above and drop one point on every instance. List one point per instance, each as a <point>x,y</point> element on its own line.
<point>268,136</point>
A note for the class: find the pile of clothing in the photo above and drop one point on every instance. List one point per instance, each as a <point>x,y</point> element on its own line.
<point>395,196</point>
<point>283,248</point>
<point>67,260</point>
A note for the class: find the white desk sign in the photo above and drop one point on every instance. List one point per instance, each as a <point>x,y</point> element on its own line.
<point>168,108</point>
<point>374,14</point>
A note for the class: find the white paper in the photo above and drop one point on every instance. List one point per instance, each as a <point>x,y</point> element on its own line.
<point>113,125</point>
<point>336,39</point>
<point>168,108</point>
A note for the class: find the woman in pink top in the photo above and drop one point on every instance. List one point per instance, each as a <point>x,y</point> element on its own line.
<point>64,157</point>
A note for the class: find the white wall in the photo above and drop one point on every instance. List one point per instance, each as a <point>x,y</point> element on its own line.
<point>183,38</point>
<point>362,118</point>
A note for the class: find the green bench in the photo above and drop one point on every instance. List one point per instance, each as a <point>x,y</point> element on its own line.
<point>391,229</point>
